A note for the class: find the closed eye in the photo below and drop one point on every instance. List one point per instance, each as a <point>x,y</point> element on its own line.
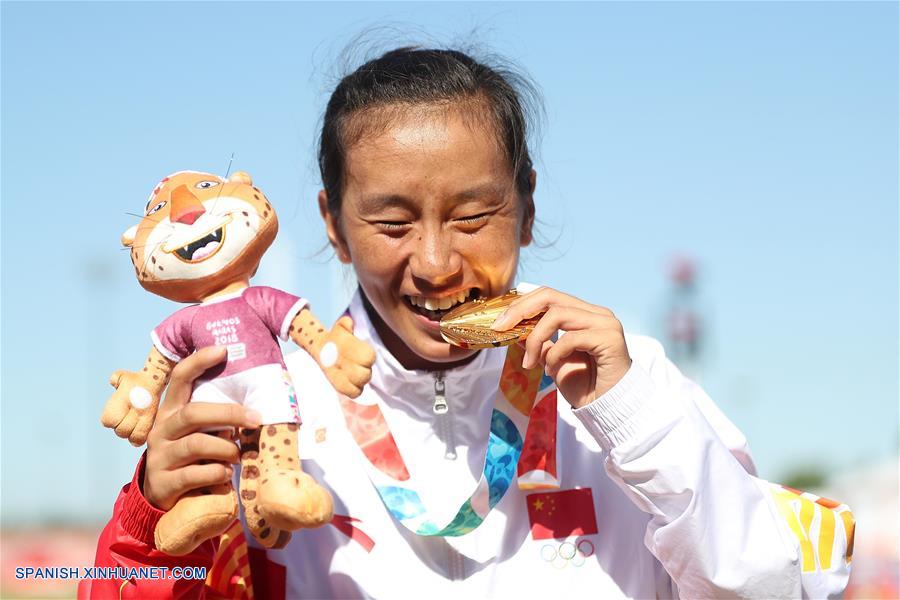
<point>474,218</point>
<point>393,225</point>
<point>472,223</point>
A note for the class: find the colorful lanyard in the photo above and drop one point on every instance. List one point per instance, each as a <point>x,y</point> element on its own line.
<point>525,401</point>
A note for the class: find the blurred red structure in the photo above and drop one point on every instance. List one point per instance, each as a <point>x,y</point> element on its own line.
<point>44,547</point>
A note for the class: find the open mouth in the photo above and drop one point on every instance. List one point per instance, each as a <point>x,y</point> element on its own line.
<point>202,248</point>
<point>434,309</point>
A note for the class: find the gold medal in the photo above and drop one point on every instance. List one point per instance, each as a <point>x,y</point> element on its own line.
<point>469,325</point>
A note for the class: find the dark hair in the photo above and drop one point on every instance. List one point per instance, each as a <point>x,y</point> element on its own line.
<point>410,76</point>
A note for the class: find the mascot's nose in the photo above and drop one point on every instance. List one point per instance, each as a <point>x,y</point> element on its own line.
<point>186,207</point>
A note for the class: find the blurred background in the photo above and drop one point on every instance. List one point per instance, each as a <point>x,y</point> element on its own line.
<point>724,176</point>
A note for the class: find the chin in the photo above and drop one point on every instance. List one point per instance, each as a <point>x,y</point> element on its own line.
<point>419,350</point>
<point>440,351</point>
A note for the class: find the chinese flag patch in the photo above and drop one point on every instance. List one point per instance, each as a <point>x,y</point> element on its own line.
<point>561,514</point>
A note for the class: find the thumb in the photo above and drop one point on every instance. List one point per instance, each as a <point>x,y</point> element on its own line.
<point>186,372</point>
<point>116,378</point>
<point>345,323</point>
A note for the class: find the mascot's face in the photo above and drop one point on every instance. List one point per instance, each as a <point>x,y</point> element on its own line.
<point>200,233</point>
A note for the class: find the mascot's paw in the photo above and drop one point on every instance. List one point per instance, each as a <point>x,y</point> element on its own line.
<point>131,409</point>
<point>195,518</point>
<point>346,360</point>
<point>266,534</point>
<point>292,499</point>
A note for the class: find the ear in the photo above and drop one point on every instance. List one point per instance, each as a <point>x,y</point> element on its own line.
<point>525,232</point>
<point>240,177</point>
<point>332,228</point>
<point>128,236</point>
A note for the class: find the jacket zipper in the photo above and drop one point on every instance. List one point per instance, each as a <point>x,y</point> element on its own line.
<point>440,399</point>
<point>444,418</point>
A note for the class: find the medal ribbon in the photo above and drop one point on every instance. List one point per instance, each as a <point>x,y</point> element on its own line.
<point>525,402</point>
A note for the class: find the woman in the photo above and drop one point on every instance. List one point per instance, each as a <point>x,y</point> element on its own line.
<point>427,193</point>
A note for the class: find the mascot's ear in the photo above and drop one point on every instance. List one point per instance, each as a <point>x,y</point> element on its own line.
<point>128,236</point>
<point>240,177</point>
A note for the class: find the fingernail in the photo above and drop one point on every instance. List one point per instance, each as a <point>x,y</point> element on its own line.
<point>229,471</point>
<point>526,362</point>
<point>500,321</point>
<point>252,418</point>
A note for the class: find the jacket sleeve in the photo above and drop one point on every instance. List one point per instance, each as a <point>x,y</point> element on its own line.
<point>717,530</point>
<point>143,571</point>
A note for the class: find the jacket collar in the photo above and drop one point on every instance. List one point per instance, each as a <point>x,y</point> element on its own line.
<point>391,380</point>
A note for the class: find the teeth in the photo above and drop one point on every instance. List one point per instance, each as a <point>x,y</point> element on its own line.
<point>440,303</point>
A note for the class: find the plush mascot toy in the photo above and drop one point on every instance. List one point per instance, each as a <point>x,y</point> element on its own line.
<point>200,240</point>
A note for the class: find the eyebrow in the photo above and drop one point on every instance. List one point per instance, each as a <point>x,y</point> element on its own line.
<point>377,202</point>
<point>479,191</point>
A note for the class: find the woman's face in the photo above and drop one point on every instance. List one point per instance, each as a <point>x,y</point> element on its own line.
<point>430,217</point>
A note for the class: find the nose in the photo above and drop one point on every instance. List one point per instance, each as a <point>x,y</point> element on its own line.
<point>186,207</point>
<point>434,260</point>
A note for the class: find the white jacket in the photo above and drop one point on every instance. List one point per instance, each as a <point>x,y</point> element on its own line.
<point>677,509</point>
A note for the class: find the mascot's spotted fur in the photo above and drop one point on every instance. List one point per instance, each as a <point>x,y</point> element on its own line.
<point>200,241</point>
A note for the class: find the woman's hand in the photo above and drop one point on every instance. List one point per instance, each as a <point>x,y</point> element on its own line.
<point>180,457</point>
<point>588,360</point>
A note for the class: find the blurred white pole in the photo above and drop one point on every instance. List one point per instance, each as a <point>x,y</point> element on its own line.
<point>683,322</point>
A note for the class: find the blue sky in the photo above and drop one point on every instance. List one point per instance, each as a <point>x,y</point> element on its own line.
<point>759,137</point>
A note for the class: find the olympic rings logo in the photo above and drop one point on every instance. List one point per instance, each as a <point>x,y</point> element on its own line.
<point>560,556</point>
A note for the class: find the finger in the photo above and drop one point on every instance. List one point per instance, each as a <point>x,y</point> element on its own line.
<point>545,348</point>
<point>590,341</point>
<point>185,372</point>
<point>115,410</point>
<point>343,385</point>
<point>358,375</point>
<point>203,446</point>
<point>124,429</point>
<point>192,477</point>
<point>364,354</point>
<point>116,377</point>
<point>559,317</point>
<point>352,391</point>
<point>541,299</point>
<point>345,323</point>
<point>354,349</point>
<point>197,416</point>
<point>141,429</point>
